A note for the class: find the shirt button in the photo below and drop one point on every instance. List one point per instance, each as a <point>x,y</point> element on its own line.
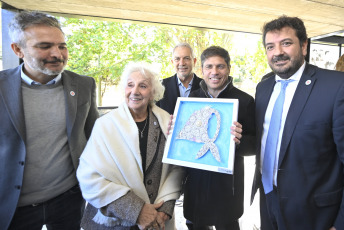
<point>17,187</point>
<point>151,195</point>
<point>21,163</point>
<point>149,182</point>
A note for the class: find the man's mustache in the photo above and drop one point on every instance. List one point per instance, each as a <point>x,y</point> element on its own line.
<point>54,61</point>
<point>280,58</point>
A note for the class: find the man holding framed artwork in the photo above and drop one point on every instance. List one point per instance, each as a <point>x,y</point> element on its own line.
<point>212,198</point>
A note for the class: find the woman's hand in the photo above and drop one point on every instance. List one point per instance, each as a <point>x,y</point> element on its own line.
<point>148,216</point>
<point>161,219</point>
<point>236,131</point>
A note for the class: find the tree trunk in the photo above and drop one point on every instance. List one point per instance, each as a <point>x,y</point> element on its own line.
<point>99,92</point>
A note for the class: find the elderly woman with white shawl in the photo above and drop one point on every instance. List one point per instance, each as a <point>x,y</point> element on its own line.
<point>121,173</point>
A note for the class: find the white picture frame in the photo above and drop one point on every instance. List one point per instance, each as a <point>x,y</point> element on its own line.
<point>187,144</point>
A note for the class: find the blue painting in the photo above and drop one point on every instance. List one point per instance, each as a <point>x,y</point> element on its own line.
<point>201,137</point>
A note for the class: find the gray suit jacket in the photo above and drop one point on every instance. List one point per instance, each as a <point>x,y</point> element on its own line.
<point>81,113</point>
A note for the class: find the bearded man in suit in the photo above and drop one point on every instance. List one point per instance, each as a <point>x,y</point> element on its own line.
<point>300,148</point>
<point>47,114</point>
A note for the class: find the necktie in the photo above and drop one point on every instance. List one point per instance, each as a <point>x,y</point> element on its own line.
<point>272,140</point>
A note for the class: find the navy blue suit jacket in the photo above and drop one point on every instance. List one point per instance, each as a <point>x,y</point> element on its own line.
<point>310,169</point>
<point>168,102</point>
<point>81,113</point>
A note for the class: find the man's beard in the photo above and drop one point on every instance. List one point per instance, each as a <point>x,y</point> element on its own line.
<point>287,72</point>
<point>39,67</point>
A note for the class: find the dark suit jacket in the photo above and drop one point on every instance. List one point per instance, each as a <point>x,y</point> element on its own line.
<point>168,102</point>
<point>81,113</point>
<point>310,168</point>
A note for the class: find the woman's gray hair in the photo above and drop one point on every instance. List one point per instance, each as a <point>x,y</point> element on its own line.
<point>146,70</point>
<point>26,19</point>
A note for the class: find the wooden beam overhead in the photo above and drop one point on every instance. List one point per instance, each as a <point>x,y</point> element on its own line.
<point>320,16</point>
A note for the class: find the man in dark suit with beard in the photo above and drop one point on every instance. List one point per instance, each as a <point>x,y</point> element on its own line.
<point>300,135</point>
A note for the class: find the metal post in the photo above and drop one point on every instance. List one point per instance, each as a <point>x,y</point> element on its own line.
<point>307,58</point>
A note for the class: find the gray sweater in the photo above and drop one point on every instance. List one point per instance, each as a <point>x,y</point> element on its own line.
<point>48,163</point>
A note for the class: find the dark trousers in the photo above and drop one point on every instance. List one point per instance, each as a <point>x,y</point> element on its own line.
<point>60,213</point>
<point>230,226</point>
<point>270,212</point>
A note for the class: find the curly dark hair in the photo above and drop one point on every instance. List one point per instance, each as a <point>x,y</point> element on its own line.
<point>285,21</point>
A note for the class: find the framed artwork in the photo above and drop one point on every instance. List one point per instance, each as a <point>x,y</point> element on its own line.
<point>201,137</point>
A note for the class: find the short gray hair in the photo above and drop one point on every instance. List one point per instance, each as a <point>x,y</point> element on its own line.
<point>26,19</point>
<point>148,73</point>
<point>183,44</point>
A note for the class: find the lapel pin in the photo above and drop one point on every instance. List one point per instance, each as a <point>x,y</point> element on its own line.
<point>308,82</point>
<point>72,93</point>
<point>154,122</point>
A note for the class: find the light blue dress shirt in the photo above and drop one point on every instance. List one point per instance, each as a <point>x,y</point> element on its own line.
<point>184,92</point>
<point>290,91</point>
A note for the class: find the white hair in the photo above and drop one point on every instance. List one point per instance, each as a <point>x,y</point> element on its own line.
<point>146,70</point>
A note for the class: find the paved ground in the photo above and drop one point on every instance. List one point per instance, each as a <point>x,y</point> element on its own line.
<point>178,211</point>
<point>250,218</point>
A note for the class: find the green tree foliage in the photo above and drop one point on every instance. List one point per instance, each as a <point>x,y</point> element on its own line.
<point>259,66</point>
<point>197,38</point>
<point>101,49</point>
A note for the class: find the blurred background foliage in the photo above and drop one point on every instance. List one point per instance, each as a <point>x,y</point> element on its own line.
<point>101,49</point>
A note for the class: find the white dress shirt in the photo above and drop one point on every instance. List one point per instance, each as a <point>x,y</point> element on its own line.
<point>290,91</point>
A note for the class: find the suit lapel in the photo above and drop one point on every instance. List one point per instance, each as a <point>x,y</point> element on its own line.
<point>13,100</point>
<point>70,88</point>
<point>195,83</point>
<point>298,103</point>
<point>175,87</point>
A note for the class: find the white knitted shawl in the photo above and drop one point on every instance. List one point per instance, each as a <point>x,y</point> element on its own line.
<point>111,165</point>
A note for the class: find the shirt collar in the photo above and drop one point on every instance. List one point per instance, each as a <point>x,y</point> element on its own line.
<point>190,83</point>
<point>296,76</point>
<point>29,81</point>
